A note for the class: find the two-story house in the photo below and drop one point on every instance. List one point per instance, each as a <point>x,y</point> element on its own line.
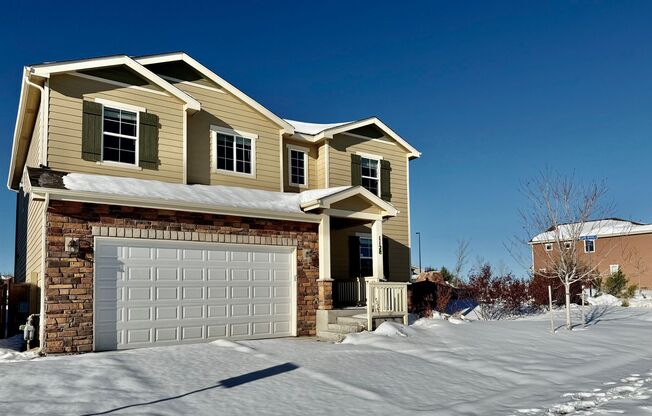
<point>605,245</point>
<point>159,204</point>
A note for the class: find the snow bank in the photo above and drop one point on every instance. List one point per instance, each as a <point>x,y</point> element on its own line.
<point>10,350</point>
<point>605,299</point>
<point>218,195</point>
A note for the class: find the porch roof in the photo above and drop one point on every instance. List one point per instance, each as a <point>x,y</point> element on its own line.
<point>229,200</point>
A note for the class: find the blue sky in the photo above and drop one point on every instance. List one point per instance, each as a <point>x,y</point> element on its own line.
<point>490,92</point>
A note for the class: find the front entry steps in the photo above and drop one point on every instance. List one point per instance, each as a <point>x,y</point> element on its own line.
<point>341,323</point>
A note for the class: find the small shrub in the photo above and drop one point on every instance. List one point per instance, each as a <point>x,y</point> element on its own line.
<point>618,285</point>
<point>615,284</point>
<point>538,291</point>
<point>496,296</point>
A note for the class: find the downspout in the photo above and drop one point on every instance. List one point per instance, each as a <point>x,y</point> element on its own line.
<point>42,118</point>
<point>41,328</point>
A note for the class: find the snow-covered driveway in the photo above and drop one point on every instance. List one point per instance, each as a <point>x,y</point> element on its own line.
<point>440,368</point>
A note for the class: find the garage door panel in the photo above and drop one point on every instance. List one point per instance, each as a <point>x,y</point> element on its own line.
<point>160,293</point>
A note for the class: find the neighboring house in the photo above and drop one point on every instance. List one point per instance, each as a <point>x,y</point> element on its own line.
<point>159,204</point>
<point>609,245</point>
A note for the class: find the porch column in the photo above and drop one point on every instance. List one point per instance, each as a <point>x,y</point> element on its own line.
<point>377,248</point>
<point>325,247</point>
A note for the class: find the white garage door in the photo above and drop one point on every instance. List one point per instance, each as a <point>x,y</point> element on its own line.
<point>152,292</point>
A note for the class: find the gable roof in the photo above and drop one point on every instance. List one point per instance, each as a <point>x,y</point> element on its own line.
<point>181,56</point>
<point>317,132</point>
<point>47,69</point>
<point>607,227</point>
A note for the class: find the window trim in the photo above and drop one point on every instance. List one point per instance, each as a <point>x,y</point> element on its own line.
<point>567,245</point>
<point>611,266</point>
<point>235,133</point>
<point>123,107</point>
<point>371,157</point>
<point>547,246</point>
<point>585,250</point>
<point>305,151</point>
<point>360,257</point>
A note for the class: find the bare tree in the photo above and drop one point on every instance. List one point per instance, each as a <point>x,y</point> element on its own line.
<point>562,213</point>
<point>461,258</point>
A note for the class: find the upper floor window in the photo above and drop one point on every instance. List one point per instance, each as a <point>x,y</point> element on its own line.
<point>567,245</point>
<point>119,135</point>
<point>589,246</point>
<point>548,246</point>
<point>298,166</point>
<point>370,174</point>
<point>233,151</point>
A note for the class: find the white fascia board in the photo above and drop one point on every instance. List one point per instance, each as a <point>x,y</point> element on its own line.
<point>45,70</point>
<point>22,102</point>
<point>96,198</point>
<point>180,56</point>
<point>326,201</point>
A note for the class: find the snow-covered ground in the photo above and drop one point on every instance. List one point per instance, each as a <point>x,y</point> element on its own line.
<point>433,367</point>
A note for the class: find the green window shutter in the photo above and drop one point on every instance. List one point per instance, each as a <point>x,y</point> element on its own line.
<point>148,141</point>
<point>386,257</point>
<point>92,131</point>
<point>385,180</point>
<point>354,256</point>
<point>356,172</point>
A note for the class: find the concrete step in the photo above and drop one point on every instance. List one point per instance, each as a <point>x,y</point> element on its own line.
<point>349,320</point>
<point>331,336</point>
<point>344,328</point>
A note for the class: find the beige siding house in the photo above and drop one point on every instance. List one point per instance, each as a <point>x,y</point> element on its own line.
<point>158,204</point>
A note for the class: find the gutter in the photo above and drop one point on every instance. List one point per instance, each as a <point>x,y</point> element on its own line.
<point>81,196</point>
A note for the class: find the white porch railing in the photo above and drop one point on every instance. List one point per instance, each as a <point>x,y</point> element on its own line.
<point>386,300</point>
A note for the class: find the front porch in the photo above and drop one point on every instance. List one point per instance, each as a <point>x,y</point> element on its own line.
<point>354,293</point>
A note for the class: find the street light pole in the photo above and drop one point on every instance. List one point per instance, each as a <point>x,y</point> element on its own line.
<point>420,269</point>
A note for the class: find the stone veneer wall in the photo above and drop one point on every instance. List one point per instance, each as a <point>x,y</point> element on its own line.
<point>69,278</point>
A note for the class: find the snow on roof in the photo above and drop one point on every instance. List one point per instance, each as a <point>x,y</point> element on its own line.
<point>218,195</point>
<point>313,128</point>
<point>599,228</point>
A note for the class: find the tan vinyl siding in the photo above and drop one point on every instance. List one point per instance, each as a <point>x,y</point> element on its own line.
<point>313,180</point>
<point>396,229</point>
<point>321,165</point>
<point>67,93</point>
<point>34,241</point>
<point>227,111</point>
<point>34,152</point>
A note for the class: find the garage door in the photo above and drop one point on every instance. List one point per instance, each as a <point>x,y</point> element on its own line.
<point>151,292</point>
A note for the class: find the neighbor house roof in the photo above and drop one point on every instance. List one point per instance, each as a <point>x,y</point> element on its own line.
<point>229,200</point>
<point>606,227</point>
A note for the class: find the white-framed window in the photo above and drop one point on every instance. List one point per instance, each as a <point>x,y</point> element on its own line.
<point>370,173</point>
<point>233,151</point>
<point>366,256</point>
<point>589,246</point>
<point>542,270</point>
<point>298,166</point>
<point>547,246</point>
<point>567,245</point>
<point>120,125</point>
<point>613,268</point>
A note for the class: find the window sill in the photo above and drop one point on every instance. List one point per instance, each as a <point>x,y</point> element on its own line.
<point>298,185</point>
<point>119,165</point>
<point>251,175</point>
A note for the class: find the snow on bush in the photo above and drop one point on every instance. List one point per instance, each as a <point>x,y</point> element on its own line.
<point>605,300</point>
